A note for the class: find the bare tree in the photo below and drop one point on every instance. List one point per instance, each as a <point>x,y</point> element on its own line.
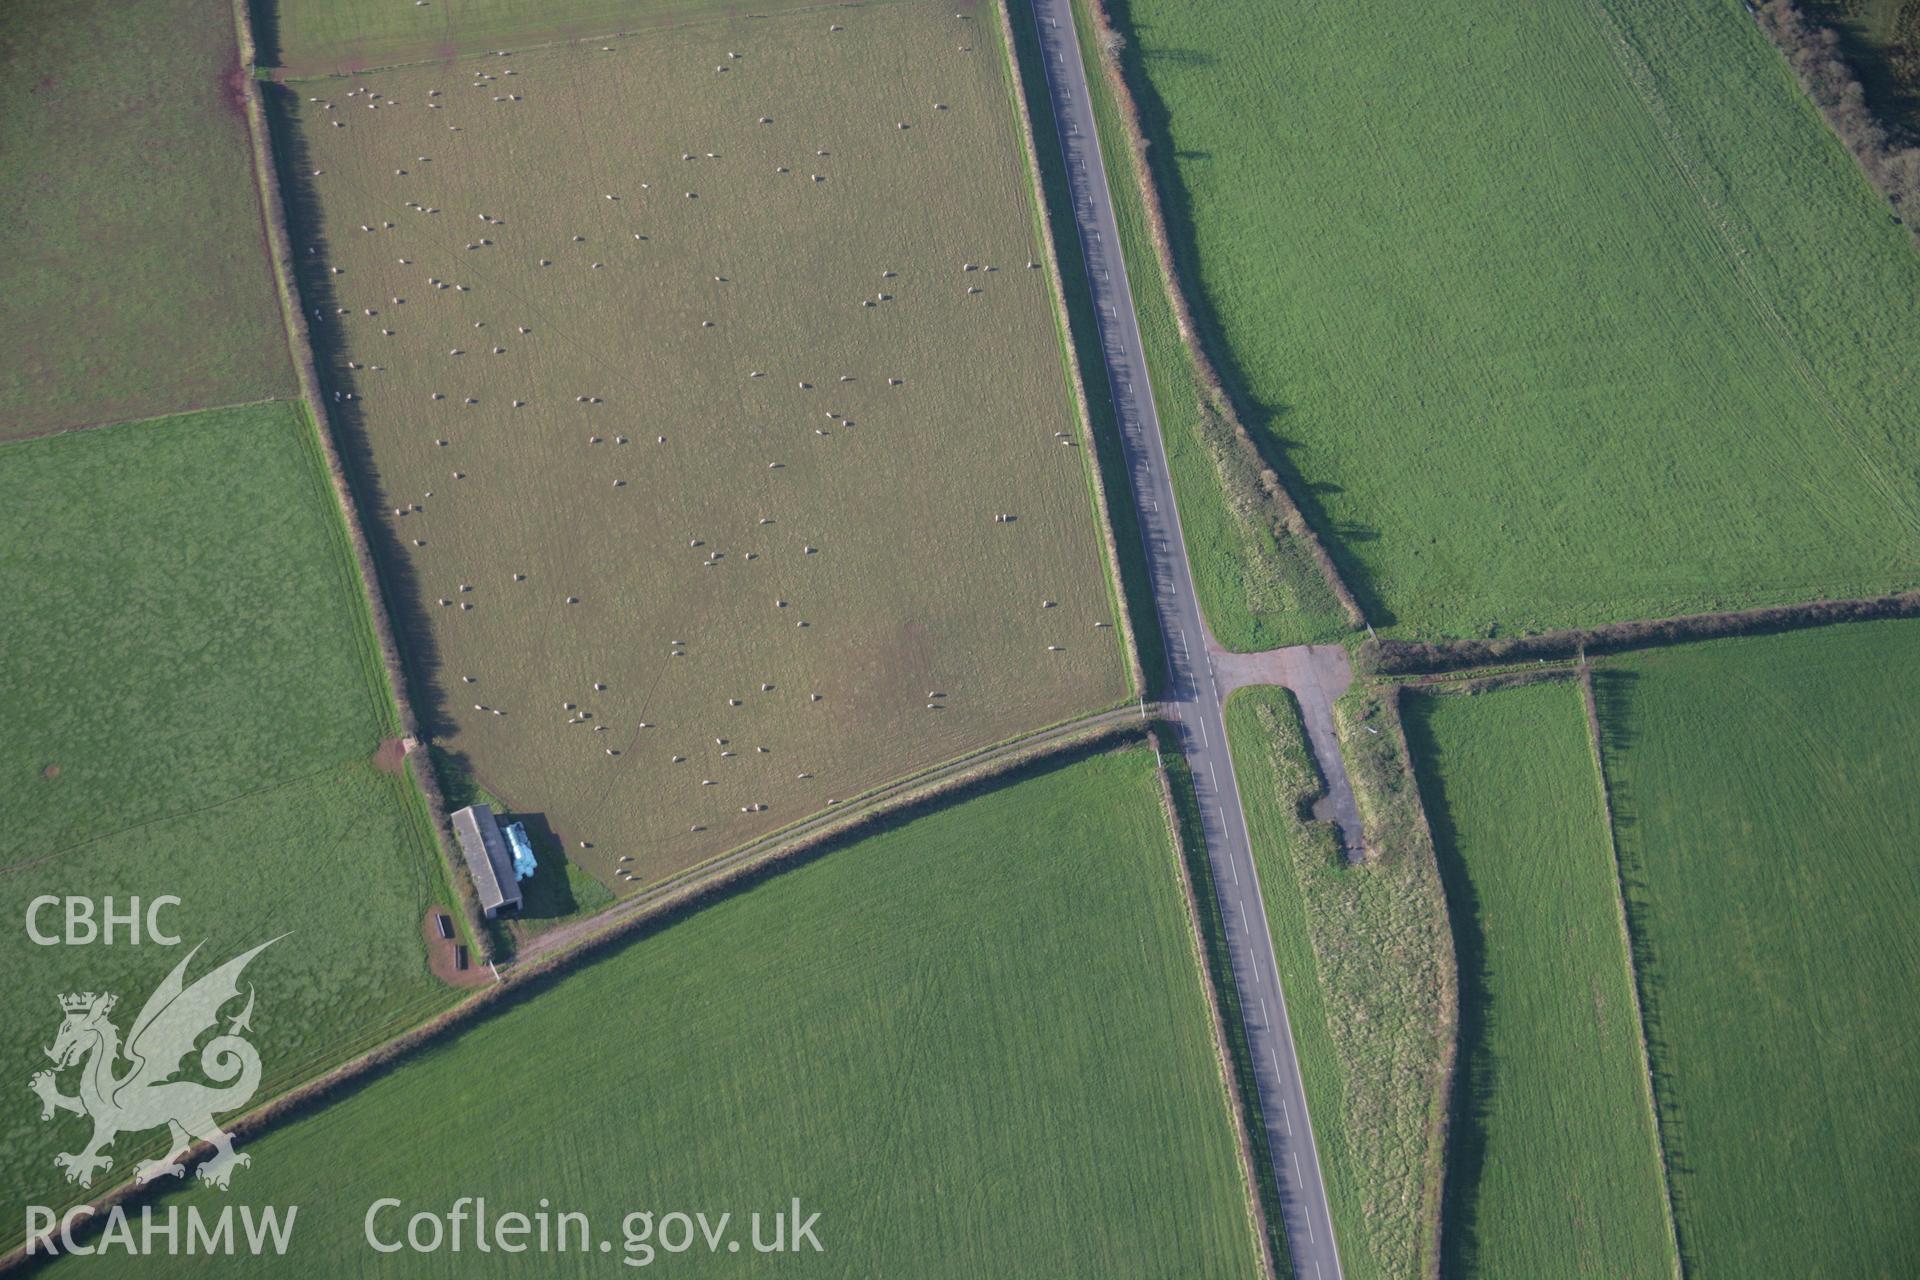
<point>1813,52</point>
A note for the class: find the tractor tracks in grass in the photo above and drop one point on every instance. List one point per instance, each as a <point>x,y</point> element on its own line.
<point>1720,221</point>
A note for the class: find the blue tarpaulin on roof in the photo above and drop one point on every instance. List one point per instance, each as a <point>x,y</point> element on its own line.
<point>523,863</point>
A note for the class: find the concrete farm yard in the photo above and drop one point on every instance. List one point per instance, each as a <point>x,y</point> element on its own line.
<point>710,421</point>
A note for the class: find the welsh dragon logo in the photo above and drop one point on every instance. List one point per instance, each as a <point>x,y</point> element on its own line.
<point>145,1095</point>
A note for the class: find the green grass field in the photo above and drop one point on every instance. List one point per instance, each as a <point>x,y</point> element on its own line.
<point>1768,821</point>
<point>1258,590</point>
<point>1633,341</point>
<point>193,703</point>
<point>1553,1167</point>
<point>133,260</point>
<point>1362,955</point>
<point>792,587</point>
<point>558,891</point>
<point>976,1043</point>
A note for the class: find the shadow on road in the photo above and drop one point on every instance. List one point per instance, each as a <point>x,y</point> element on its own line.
<point>1262,418</point>
<point>399,586</point>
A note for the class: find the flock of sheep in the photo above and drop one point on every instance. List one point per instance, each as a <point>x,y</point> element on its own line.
<point>497,84</point>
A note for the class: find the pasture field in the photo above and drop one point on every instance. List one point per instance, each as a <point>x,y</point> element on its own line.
<point>975,1042</point>
<point>685,443</point>
<point>1360,950</point>
<point>1553,1167</point>
<point>133,261</point>
<point>1763,792</point>
<point>1258,589</point>
<point>1559,314</point>
<point>344,37</point>
<point>193,703</point>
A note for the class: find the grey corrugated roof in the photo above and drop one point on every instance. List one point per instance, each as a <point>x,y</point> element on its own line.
<point>487,858</point>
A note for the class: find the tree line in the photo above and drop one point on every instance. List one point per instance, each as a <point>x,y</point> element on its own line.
<point>1891,162</point>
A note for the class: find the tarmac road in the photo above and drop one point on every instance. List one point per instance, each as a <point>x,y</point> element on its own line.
<point>1194,694</point>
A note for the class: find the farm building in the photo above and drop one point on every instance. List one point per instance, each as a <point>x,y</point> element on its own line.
<point>487,859</point>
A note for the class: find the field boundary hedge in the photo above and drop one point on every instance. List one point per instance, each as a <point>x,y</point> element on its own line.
<point>1633,971</point>
<point>528,980</point>
<point>1433,1179</point>
<point>1264,1228</point>
<point>1266,1214</point>
<point>875,801</point>
<point>698,892</point>
<point>1272,491</point>
<point>1413,657</point>
<point>1075,375</point>
<point>300,346</point>
<point>1489,682</point>
<point>1814,55</point>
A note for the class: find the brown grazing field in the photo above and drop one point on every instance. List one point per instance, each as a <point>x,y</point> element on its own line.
<point>711,416</point>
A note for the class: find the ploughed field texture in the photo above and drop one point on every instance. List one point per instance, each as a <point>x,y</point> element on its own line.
<point>686,438</point>
<point>1552,1162</point>
<point>1558,314</point>
<point>133,261</point>
<point>976,1043</point>
<point>1763,791</point>
<point>192,704</point>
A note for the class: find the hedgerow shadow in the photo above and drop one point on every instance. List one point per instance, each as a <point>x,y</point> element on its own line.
<point>399,585</point>
<point>1475,1067</point>
<point>1083,332</point>
<point>497,1001</point>
<point>264,16</point>
<point>1262,418</point>
<point>1614,700</point>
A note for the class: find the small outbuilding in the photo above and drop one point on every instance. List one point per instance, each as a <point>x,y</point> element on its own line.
<point>488,859</point>
<point>524,863</point>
